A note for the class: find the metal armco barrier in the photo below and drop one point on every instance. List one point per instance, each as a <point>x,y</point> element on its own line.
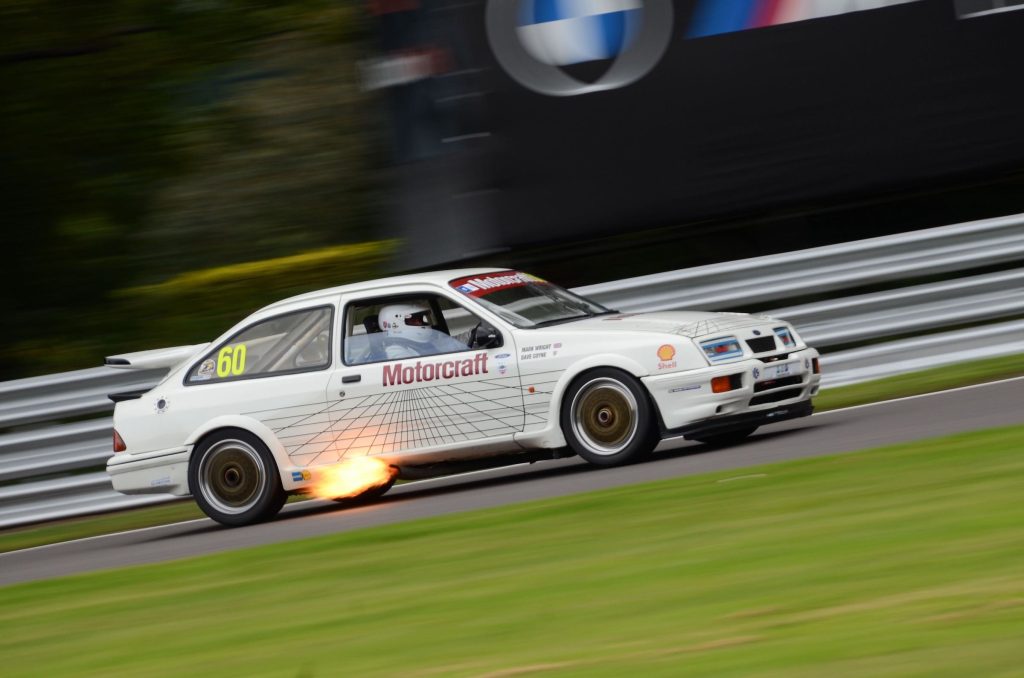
<point>54,470</point>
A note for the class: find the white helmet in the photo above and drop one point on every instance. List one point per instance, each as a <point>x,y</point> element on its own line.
<point>406,321</point>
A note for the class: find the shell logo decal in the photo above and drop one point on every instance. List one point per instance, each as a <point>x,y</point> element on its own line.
<point>666,352</point>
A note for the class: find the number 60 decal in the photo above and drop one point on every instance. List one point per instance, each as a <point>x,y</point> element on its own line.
<point>231,361</point>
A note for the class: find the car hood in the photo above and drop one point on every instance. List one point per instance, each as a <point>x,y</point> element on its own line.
<point>692,324</point>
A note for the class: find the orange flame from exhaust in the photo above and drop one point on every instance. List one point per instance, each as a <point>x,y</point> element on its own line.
<point>350,478</point>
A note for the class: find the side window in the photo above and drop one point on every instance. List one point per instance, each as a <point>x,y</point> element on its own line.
<point>407,326</point>
<point>289,343</point>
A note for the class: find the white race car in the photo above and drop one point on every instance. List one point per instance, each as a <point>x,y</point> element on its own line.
<point>438,372</point>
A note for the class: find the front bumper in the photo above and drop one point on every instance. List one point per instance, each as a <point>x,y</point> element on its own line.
<point>685,399</point>
<point>160,472</point>
<point>743,420</point>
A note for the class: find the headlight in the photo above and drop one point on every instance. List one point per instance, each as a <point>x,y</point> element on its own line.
<point>720,349</point>
<point>785,336</point>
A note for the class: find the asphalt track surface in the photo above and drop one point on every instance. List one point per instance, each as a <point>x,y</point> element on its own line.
<point>966,409</point>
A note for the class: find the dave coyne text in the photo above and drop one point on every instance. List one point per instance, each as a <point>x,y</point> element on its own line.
<point>396,375</point>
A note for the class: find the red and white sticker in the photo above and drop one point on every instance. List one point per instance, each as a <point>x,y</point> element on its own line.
<point>481,285</point>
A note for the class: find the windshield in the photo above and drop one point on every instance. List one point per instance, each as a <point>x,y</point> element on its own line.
<point>526,301</point>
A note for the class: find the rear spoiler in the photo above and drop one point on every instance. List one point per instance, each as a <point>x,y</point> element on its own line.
<point>160,358</point>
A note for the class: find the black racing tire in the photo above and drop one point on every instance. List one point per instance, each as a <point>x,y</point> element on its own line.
<point>608,419</point>
<point>727,438</point>
<point>234,478</point>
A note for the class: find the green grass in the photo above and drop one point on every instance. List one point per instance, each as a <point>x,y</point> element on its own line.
<point>907,560</point>
<point>925,381</point>
<point>883,389</point>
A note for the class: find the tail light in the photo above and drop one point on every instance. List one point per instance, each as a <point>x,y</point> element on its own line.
<point>119,445</point>
<point>815,366</point>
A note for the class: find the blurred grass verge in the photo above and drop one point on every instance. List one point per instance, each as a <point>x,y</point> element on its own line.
<point>924,381</point>
<point>916,383</point>
<point>896,561</point>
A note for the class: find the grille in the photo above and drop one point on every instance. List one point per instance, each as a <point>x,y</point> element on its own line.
<point>776,383</point>
<point>761,344</point>
<point>775,396</point>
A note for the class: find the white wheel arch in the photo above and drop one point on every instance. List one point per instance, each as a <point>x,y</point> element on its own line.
<point>257,428</point>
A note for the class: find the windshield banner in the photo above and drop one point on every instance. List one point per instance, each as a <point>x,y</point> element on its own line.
<point>481,285</point>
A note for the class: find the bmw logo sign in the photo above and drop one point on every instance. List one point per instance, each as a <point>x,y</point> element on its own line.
<point>534,40</point>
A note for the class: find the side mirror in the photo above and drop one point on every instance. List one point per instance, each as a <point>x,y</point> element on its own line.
<point>485,336</point>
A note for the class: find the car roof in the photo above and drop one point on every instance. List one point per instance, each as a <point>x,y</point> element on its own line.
<point>437,278</point>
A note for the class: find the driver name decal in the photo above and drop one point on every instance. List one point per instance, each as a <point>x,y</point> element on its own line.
<point>397,375</point>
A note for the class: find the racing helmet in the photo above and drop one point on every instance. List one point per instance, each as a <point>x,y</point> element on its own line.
<point>406,321</point>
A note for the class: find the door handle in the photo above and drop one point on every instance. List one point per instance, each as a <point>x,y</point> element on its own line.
<point>351,378</point>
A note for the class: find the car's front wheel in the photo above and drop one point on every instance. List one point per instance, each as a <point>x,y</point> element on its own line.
<point>608,419</point>
<point>234,478</point>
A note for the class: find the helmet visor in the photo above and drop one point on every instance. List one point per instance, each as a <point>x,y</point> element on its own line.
<point>418,319</point>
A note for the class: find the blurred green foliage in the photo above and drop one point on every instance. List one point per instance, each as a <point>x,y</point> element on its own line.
<point>215,299</point>
<point>141,140</point>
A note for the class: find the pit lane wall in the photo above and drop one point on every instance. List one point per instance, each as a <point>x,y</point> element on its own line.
<point>948,294</point>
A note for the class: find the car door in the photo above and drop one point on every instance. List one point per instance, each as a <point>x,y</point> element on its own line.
<point>463,397</point>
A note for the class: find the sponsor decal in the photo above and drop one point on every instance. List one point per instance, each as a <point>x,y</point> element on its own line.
<point>397,375</point>
<point>666,353</point>
<point>502,369</point>
<point>166,480</point>
<point>503,356</point>
<point>688,387</point>
<point>161,405</point>
<point>757,373</point>
<point>757,333</point>
<point>534,40</point>
<point>478,286</point>
<point>714,17</point>
<point>205,370</point>
<point>299,476</point>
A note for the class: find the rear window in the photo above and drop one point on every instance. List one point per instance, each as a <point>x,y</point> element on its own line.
<point>285,344</point>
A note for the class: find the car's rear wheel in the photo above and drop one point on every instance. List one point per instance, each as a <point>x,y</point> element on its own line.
<point>234,478</point>
<point>608,419</point>
<point>728,438</point>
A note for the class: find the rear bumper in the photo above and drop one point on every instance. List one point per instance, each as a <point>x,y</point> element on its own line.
<point>740,421</point>
<point>161,472</point>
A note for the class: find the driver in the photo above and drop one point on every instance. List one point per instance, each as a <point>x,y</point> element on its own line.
<point>409,332</point>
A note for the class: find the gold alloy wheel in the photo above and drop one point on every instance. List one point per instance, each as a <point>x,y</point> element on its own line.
<point>232,477</point>
<point>604,416</point>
